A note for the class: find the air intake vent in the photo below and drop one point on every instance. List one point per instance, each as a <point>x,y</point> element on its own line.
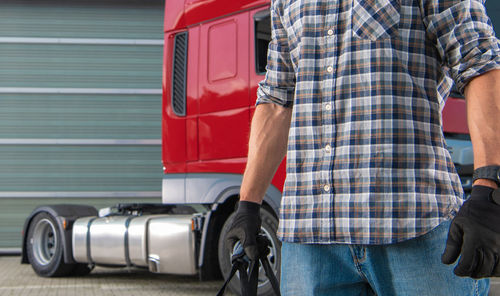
<point>179,74</point>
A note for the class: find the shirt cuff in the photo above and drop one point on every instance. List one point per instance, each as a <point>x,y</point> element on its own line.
<point>280,96</point>
<point>477,70</point>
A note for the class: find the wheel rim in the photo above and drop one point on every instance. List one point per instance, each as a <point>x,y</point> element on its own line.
<point>263,280</point>
<point>44,241</point>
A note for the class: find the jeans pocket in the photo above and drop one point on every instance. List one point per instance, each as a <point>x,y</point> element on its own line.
<point>375,19</point>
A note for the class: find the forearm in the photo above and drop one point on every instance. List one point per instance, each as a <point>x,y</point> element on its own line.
<point>483,112</point>
<point>267,148</point>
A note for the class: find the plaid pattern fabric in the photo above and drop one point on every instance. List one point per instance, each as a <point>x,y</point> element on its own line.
<point>367,79</point>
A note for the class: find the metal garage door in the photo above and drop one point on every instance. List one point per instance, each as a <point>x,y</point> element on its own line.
<point>80,105</point>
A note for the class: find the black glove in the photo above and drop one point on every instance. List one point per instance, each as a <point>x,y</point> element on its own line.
<point>475,235</point>
<point>245,228</point>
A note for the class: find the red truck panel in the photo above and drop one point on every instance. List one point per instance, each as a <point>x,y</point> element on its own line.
<point>224,134</point>
<point>221,86</point>
<point>224,64</point>
<point>184,13</point>
<point>455,116</point>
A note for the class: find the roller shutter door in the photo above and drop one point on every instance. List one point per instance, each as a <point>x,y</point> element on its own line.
<point>80,105</point>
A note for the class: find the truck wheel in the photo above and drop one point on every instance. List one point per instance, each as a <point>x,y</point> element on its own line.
<point>44,247</point>
<point>269,227</point>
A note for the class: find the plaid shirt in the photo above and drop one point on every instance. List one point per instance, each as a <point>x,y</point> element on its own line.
<point>367,79</point>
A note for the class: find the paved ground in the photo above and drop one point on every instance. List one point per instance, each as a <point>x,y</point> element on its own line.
<point>20,280</point>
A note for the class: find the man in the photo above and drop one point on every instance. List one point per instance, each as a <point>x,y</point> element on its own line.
<point>356,87</point>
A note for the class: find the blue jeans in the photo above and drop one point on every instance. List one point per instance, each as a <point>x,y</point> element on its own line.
<point>410,268</point>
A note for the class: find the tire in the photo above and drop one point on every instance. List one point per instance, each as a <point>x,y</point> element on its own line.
<point>44,247</point>
<point>269,227</point>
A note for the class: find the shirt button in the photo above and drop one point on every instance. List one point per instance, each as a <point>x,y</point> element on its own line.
<point>330,32</point>
<point>329,69</point>
<point>326,188</point>
<point>328,107</point>
<point>328,149</point>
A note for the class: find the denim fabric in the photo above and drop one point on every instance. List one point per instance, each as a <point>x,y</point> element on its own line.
<point>410,268</point>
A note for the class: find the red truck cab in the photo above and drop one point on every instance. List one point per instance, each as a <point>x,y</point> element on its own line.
<point>211,72</point>
<point>215,56</point>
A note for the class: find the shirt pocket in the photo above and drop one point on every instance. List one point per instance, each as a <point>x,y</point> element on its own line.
<point>375,19</point>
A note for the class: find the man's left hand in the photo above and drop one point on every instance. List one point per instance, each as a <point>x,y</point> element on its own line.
<point>475,236</point>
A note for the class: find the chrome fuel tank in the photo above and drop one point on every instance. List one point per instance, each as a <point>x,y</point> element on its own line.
<point>165,243</point>
<point>137,240</point>
<point>80,238</point>
<point>107,240</point>
<point>171,245</point>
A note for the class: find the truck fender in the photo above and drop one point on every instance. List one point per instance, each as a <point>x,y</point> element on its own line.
<point>215,189</point>
<point>272,197</point>
<point>68,213</point>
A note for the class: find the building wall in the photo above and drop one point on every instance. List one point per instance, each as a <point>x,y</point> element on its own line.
<point>80,105</point>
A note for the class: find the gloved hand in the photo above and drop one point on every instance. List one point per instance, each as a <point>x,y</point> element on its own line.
<point>475,235</point>
<point>245,228</point>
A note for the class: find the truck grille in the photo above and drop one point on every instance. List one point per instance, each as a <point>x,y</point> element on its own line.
<point>179,74</point>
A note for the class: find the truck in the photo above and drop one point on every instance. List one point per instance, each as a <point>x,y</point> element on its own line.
<point>215,53</point>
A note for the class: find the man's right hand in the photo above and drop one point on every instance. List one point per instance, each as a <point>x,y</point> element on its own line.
<point>245,228</point>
